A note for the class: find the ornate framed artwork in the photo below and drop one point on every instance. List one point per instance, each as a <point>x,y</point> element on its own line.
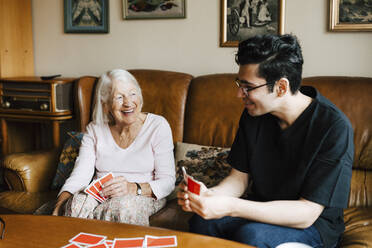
<point>350,15</point>
<point>241,19</point>
<point>86,16</point>
<point>154,9</point>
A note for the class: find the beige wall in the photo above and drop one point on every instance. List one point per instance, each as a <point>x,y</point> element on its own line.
<point>189,45</point>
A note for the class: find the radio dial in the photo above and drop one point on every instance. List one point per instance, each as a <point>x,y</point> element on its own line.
<point>44,106</point>
<point>6,104</point>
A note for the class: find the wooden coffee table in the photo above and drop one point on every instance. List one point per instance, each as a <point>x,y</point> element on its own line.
<point>51,231</point>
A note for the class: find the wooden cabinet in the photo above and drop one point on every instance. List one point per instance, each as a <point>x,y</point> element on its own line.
<point>30,100</point>
<point>16,59</point>
<point>16,46</point>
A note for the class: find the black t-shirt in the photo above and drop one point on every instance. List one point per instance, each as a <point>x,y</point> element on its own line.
<point>312,159</point>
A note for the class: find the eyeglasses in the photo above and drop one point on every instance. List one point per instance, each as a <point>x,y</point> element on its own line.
<point>2,227</point>
<point>247,89</point>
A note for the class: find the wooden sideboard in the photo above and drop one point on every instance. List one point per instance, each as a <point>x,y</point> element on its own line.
<point>32,100</point>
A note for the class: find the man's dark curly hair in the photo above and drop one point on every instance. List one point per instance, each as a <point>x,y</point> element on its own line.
<point>277,55</point>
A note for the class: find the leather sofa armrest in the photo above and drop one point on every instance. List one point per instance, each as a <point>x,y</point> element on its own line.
<point>30,172</point>
<point>172,217</point>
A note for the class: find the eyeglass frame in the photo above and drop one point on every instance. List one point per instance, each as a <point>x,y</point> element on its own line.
<point>239,83</point>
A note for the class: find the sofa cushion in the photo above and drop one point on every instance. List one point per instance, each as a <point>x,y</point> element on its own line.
<point>205,163</point>
<point>67,159</point>
<point>358,227</point>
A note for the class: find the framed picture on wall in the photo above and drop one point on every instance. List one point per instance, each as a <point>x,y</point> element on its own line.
<point>241,19</point>
<point>350,15</point>
<point>86,16</point>
<point>153,9</point>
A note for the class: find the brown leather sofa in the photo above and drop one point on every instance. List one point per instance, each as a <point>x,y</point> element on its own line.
<point>204,110</point>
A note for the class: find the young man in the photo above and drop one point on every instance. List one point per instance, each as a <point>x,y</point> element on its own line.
<point>293,146</point>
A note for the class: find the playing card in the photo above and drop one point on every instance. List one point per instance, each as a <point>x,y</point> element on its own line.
<point>101,245</point>
<point>72,246</point>
<point>99,199</point>
<point>184,174</point>
<point>94,190</point>
<point>163,241</point>
<point>106,178</point>
<point>109,243</point>
<point>87,239</point>
<point>96,186</point>
<point>128,243</point>
<point>193,186</point>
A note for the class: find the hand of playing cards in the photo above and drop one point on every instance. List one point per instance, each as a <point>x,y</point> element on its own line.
<point>100,241</point>
<point>192,185</point>
<point>95,187</point>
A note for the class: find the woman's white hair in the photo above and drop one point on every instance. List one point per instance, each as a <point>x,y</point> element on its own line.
<point>104,94</point>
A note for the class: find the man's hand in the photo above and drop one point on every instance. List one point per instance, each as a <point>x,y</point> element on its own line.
<point>117,186</point>
<point>183,195</point>
<point>210,206</point>
<point>183,198</point>
<point>207,205</point>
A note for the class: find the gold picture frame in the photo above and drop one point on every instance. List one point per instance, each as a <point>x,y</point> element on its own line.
<point>155,9</point>
<point>241,19</point>
<point>350,15</point>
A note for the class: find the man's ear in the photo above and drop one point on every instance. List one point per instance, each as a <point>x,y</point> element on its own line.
<point>282,87</point>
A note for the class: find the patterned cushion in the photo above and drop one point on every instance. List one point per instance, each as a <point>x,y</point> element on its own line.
<point>205,163</point>
<point>67,159</point>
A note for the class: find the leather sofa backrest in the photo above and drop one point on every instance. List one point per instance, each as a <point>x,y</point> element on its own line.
<point>212,111</point>
<point>84,97</point>
<point>164,93</point>
<point>353,95</point>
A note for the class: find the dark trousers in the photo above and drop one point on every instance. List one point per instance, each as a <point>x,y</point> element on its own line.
<point>254,233</point>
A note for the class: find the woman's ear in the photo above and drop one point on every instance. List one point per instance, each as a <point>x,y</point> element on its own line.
<point>282,87</point>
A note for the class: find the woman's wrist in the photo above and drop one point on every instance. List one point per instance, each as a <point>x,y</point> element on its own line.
<point>133,189</point>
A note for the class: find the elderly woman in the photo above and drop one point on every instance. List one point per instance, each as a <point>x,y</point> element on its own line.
<point>136,147</point>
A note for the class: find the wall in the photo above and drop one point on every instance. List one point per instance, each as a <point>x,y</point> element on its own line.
<point>189,45</point>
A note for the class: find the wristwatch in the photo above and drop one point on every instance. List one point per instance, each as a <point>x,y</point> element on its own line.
<point>139,189</point>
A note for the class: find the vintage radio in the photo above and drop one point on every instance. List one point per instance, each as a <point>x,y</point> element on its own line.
<point>32,95</point>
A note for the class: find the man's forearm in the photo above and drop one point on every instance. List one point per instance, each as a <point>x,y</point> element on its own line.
<point>233,185</point>
<point>296,214</point>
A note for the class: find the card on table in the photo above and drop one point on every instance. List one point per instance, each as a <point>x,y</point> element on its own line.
<point>87,239</point>
<point>109,243</point>
<point>101,245</point>
<point>72,246</point>
<point>128,243</point>
<point>163,241</point>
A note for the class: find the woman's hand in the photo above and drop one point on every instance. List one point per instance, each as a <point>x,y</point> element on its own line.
<point>118,186</point>
<point>62,198</point>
